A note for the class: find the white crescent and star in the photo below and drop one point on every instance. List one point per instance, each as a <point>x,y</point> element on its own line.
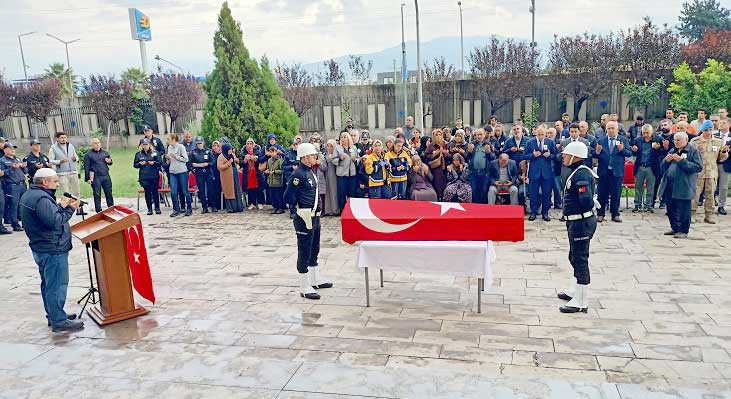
<point>362,212</point>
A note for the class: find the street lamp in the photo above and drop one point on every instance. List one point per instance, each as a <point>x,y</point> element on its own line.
<point>461,39</point>
<point>404,71</point>
<point>157,57</point>
<point>68,63</point>
<point>22,56</point>
<point>418,66</point>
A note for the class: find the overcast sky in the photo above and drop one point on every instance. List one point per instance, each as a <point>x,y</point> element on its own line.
<point>286,30</point>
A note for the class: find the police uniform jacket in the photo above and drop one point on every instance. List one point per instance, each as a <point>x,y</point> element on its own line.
<point>32,159</point>
<point>13,176</point>
<point>147,171</point>
<point>202,156</point>
<point>155,143</point>
<point>302,189</point>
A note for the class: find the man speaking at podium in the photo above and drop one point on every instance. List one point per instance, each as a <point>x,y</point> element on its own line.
<point>47,227</point>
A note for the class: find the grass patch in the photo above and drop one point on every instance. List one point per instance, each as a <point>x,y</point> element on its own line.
<point>124,175</point>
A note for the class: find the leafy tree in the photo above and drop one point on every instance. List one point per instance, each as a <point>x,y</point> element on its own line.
<point>244,99</point>
<point>59,71</point>
<point>174,95</point>
<point>647,51</point>
<point>640,96</point>
<point>700,15</point>
<point>439,78</point>
<point>714,45</point>
<point>333,75</point>
<point>584,65</point>
<point>7,98</point>
<point>708,89</point>
<point>111,98</point>
<point>140,83</point>
<point>297,86</point>
<point>360,70</point>
<point>37,99</point>
<point>503,70</point>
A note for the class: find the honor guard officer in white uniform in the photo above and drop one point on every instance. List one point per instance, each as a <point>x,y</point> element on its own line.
<point>578,209</point>
<point>302,196</point>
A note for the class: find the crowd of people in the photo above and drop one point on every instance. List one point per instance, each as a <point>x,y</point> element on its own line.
<point>490,164</point>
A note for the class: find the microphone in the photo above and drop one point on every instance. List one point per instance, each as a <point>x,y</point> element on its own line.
<point>73,197</point>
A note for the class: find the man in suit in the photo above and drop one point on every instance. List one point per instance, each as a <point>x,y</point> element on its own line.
<point>611,151</point>
<point>540,152</point>
<point>503,176</point>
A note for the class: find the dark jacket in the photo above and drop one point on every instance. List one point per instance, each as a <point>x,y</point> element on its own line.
<point>155,143</point>
<point>512,172</point>
<point>653,161</point>
<point>289,161</point>
<point>32,160</point>
<point>46,223</point>
<point>683,175</point>
<point>540,166</point>
<point>204,156</point>
<point>480,155</point>
<point>616,158</point>
<point>94,162</point>
<point>147,171</point>
<point>516,156</point>
<point>12,175</point>
<point>301,189</point>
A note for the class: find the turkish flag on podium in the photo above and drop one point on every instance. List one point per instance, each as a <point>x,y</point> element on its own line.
<point>387,220</point>
<point>139,266</point>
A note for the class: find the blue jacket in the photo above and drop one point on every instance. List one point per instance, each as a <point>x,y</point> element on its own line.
<point>46,223</point>
<point>615,159</point>
<point>495,172</point>
<point>290,160</point>
<point>654,160</point>
<point>540,166</point>
<point>683,175</point>
<point>516,156</point>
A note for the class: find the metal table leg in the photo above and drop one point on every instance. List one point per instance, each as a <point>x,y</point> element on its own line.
<point>381,270</point>
<point>368,294</point>
<point>480,286</point>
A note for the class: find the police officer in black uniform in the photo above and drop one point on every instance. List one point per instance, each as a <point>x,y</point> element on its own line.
<point>155,142</point>
<point>303,199</point>
<point>201,159</point>
<point>13,180</point>
<point>149,161</point>
<point>578,209</point>
<point>35,159</point>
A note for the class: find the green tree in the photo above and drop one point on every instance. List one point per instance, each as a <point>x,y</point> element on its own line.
<point>708,89</point>
<point>699,15</point>
<point>640,96</point>
<point>244,99</point>
<point>140,82</point>
<point>59,71</point>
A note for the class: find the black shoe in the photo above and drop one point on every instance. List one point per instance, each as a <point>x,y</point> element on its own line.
<point>310,296</point>
<point>563,296</point>
<point>274,212</point>
<point>563,219</point>
<point>5,231</point>
<point>69,316</point>
<point>616,219</point>
<point>669,233</point>
<point>571,309</point>
<point>174,214</point>
<point>189,212</point>
<point>149,211</point>
<point>662,206</point>
<point>649,210</point>
<point>322,286</point>
<point>214,210</point>
<point>17,228</point>
<point>546,218</point>
<point>636,210</point>
<point>205,210</point>
<point>68,325</point>
<point>532,218</point>
<point>721,210</point>
<point>157,211</point>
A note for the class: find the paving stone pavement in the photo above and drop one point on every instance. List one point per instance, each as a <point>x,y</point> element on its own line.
<point>229,322</point>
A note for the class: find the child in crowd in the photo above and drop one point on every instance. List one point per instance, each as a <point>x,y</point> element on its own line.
<point>400,162</point>
<point>377,169</point>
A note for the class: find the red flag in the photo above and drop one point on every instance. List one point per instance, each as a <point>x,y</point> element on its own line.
<point>139,265</point>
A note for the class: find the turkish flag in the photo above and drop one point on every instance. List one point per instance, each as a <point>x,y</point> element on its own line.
<point>387,220</point>
<point>139,266</point>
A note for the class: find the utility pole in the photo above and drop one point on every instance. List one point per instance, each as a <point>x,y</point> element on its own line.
<point>22,56</point>
<point>157,57</point>
<point>420,79</point>
<point>461,40</point>
<point>68,62</point>
<point>533,30</point>
<point>404,71</point>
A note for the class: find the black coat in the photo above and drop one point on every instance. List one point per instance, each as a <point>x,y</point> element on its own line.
<point>148,171</point>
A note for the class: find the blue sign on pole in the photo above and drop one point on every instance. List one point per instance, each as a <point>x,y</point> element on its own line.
<point>139,24</point>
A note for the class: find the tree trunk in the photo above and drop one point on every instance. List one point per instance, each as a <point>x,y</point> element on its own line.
<point>578,102</point>
<point>109,134</point>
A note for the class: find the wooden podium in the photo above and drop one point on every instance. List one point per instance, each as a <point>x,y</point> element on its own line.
<point>105,232</point>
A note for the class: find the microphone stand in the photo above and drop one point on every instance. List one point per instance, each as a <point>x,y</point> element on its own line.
<point>90,293</point>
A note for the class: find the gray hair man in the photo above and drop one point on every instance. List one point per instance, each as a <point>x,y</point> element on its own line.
<point>681,167</point>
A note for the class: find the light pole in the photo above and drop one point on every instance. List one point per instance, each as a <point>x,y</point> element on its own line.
<point>22,56</point>
<point>420,79</point>
<point>404,71</point>
<point>533,30</point>
<point>68,63</point>
<point>157,57</point>
<point>461,39</point>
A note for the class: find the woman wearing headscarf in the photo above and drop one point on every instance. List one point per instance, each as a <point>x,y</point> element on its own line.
<point>252,178</point>
<point>458,145</point>
<point>458,184</point>
<point>425,141</point>
<point>331,196</point>
<point>419,186</point>
<point>216,193</point>
<point>437,154</point>
<point>415,141</point>
<point>227,164</point>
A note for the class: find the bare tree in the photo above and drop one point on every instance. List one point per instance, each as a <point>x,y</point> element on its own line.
<point>504,70</point>
<point>39,98</point>
<point>174,94</point>
<point>7,98</point>
<point>333,75</point>
<point>440,78</point>
<point>111,98</point>
<point>297,86</point>
<point>360,70</point>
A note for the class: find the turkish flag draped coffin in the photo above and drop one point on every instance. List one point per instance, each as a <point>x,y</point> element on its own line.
<point>387,220</point>
<point>139,266</point>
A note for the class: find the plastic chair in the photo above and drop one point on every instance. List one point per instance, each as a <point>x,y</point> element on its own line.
<point>160,191</point>
<point>193,189</point>
<point>628,181</point>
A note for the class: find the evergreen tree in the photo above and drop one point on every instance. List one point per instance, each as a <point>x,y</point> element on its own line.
<point>244,99</point>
